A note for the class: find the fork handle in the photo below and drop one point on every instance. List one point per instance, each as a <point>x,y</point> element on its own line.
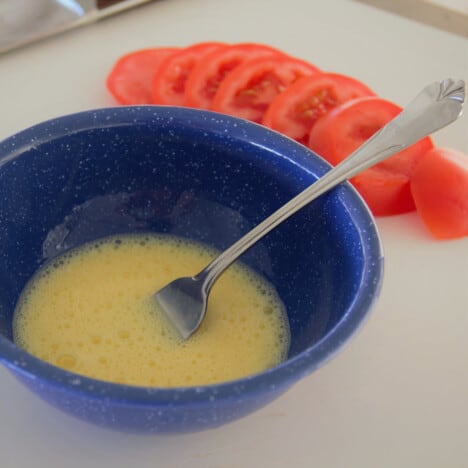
<point>437,105</point>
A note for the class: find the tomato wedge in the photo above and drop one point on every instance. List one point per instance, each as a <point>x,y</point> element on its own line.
<point>440,189</point>
<point>168,84</point>
<point>295,110</point>
<point>209,72</point>
<point>130,79</point>
<point>386,186</point>
<point>249,89</point>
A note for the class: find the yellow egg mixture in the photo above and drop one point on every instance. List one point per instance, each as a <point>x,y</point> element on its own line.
<point>89,311</point>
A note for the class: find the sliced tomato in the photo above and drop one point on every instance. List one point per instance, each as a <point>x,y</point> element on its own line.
<point>209,72</point>
<point>294,111</point>
<point>249,89</point>
<point>440,189</point>
<point>168,85</point>
<point>386,186</point>
<point>130,79</point>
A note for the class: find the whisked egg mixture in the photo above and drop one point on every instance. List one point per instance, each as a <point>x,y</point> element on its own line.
<point>89,311</point>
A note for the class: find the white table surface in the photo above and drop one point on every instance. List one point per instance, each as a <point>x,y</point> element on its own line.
<point>397,396</point>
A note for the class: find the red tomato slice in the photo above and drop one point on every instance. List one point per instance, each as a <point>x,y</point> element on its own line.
<point>207,75</point>
<point>168,84</point>
<point>386,186</point>
<point>129,81</point>
<point>440,189</point>
<point>295,110</point>
<point>249,89</point>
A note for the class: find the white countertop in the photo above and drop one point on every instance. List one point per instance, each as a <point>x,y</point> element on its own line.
<point>397,396</point>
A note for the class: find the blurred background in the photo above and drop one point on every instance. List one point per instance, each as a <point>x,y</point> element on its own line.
<point>23,21</point>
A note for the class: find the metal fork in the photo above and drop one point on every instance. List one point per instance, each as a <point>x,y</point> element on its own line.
<point>184,300</point>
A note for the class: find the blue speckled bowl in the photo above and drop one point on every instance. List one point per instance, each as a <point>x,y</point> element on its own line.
<point>196,174</point>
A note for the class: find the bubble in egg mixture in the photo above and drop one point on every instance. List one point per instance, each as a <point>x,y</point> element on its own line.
<point>89,312</point>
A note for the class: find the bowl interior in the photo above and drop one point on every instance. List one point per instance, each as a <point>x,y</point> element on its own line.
<point>196,175</point>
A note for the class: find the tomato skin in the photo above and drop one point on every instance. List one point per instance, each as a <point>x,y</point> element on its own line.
<point>129,80</point>
<point>205,78</point>
<point>440,189</point>
<point>386,194</point>
<point>249,89</point>
<point>294,111</point>
<point>386,186</point>
<point>168,84</point>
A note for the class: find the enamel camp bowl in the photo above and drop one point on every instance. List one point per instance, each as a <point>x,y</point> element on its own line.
<point>199,175</point>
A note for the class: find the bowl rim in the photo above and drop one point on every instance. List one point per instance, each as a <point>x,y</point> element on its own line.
<point>271,380</point>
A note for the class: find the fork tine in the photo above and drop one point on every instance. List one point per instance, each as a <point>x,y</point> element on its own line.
<point>183,303</point>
